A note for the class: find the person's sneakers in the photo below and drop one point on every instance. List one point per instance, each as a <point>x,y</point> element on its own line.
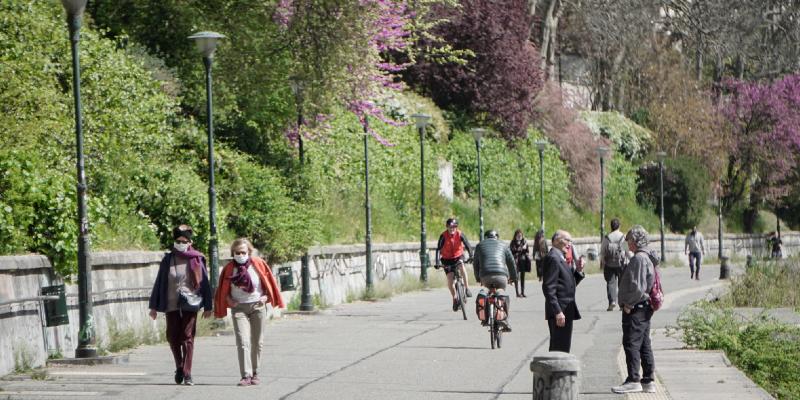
<point>455,305</point>
<point>628,387</point>
<point>504,326</point>
<point>179,376</point>
<point>611,307</point>
<point>187,380</point>
<point>469,294</point>
<point>649,387</point>
<point>254,380</point>
<point>246,381</point>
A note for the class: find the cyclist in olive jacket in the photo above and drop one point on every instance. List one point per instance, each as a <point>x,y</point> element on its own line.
<point>449,253</point>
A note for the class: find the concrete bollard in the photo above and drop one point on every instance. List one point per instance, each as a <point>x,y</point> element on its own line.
<point>724,268</point>
<point>556,376</point>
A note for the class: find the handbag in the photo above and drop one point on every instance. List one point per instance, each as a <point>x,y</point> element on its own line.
<point>189,301</point>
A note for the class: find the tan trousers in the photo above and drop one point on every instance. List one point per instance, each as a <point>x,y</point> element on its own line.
<point>248,325</point>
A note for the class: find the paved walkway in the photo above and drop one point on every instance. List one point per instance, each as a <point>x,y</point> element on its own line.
<point>411,347</point>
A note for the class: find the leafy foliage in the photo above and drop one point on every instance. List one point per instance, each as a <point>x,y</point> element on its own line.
<point>630,139</point>
<point>686,190</point>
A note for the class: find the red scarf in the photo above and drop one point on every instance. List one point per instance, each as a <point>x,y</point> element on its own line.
<point>195,264</point>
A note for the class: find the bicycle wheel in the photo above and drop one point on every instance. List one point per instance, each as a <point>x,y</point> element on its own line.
<point>492,323</point>
<point>462,298</point>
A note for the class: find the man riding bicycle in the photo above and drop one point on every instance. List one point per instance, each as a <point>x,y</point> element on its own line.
<point>494,266</point>
<point>449,252</point>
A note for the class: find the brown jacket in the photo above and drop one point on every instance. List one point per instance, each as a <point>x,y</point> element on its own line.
<point>268,285</point>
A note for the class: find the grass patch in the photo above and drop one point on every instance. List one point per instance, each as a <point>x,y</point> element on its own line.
<point>128,338</point>
<point>767,350</point>
<point>316,299</point>
<point>407,283</point>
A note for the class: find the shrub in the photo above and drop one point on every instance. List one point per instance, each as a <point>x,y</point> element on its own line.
<point>686,191</point>
<point>632,140</point>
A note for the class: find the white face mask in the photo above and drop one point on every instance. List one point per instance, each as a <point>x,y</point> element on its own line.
<point>181,246</point>
<point>241,258</point>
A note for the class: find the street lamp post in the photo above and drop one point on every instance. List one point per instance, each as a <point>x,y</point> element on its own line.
<point>477,133</point>
<point>206,44</point>
<point>297,89</point>
<point>368,219</point>
<point>602,151</point>
<point>719,221</point>
<point>661,156</point>
<point>421,121</point>
<point>86,339</point>
<point>540,145</point>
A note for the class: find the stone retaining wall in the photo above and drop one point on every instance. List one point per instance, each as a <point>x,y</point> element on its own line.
<point>121,283</point>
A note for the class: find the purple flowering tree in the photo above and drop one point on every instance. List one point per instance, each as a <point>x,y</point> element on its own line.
<point>343,52</point>
<point>764,126</point>
<point>499,83</point>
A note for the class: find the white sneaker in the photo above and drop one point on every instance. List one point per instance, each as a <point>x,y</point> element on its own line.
<point>628,387</point>
<point>649,387</point>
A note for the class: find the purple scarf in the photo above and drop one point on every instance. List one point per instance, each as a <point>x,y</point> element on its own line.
<point>195,263</point>
<point>241,278</point>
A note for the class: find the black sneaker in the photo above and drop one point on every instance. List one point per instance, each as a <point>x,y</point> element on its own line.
<point>455,305</point>
<point>188,381</point>
<point>469,294</point>
<point>504,326</point>
<point>178,376</point>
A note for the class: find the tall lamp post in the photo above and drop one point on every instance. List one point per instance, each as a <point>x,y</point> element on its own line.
<point>540,145</point>
<point>602,151</point>
<point>367,210</point>
<point>661,157</point>
<point>421,121</point>
<point>86,339</point>
<point>206,44</point>
<point>719,221</point>
<point>297,90</point>
<point>477,133</point>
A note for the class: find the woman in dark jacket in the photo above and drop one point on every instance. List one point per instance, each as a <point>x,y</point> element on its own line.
<point>539,252</point>
<point>519,248</point>
<point>180,290</point>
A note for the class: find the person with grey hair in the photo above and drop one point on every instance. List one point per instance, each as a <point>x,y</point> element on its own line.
<point>635,284</point>
<point>561,275</point>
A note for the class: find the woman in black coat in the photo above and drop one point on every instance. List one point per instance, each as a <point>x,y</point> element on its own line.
<point>519,248</point>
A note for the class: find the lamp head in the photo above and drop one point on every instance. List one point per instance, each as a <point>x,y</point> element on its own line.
<point>206,42</point>
<point>541,144</point>
<point>421,120</point>
<point>477,133</point>
<point>74,7</point>
<point>602,151</point>
<point>661,155</point>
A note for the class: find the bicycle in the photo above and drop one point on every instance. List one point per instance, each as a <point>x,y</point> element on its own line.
<point>491,309</point>
<point>460,287</point>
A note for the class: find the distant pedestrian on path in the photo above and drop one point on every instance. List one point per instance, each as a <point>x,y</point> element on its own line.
<point>696,249</point>
<point>246,285</point>
<point>540,251</point>
<point>635,284</point>
<point>776,246</point>
<point>180,290</point>
<point>449,255</point>
<point>522,258</point>
<point>562,273</point>
<point>612,259</point>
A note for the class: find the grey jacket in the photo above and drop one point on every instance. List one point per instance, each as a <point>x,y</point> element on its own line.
<point>493,257</point>
<point>637,277</point>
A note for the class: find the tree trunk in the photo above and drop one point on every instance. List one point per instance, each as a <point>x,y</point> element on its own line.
<point>718,69</point>
<point>698,59</point>
<point>549,36</point>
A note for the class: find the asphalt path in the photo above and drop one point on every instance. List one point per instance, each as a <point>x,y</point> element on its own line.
<point>412,346</point>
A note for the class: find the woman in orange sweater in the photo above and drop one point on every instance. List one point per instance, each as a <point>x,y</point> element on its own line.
<point>246,285</point>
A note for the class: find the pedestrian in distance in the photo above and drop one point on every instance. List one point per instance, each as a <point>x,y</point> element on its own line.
<point>494,267</point>
<point>612,258</point>
<point>449,255</point>
<point>695,248</point>
<point>246,285</point>
<point>562,273</point>
<point>776,246</point>
<point>540,251</point>
<point>635,284</point>
<point>522,259</point>
<point>180,290</point>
